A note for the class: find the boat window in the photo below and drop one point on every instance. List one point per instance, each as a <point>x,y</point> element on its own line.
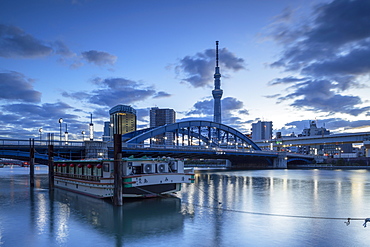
<point>106,167</point>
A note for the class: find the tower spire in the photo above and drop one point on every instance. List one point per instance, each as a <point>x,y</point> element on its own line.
<point>217,92</point>
<point>216,53</point>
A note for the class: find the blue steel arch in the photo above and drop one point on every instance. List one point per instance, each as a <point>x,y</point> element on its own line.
<point>186,128</point>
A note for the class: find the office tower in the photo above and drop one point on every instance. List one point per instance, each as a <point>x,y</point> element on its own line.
<point>217,92</point>
<point>106,133</point>
<point>262,130</point>
<point>159,117</point>
<point>122,119</point>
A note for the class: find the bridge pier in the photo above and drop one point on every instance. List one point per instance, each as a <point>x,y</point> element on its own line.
<point>367,146</point>
<point>281,161</point>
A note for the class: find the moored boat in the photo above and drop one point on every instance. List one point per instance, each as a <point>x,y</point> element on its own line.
<point>141,177</point>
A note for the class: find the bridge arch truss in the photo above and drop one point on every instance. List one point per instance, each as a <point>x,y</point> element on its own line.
<point>196,133</point>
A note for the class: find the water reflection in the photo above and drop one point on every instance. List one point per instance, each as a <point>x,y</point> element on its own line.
<point>218,210</point>
<point>273,192</point>
<point>134,218</point>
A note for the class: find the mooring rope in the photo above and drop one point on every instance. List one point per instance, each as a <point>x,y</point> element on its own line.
<point>347,220</point>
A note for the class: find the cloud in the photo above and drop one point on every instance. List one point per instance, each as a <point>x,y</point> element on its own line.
<point>62,49</point>
<point>99,58</point>
<point>162,94</point>
<point>231,108</point>
<point>204,107</point>
<point>199,69</point>
<point>286,80</point>
<point>16,87</point>
<point>330,51</point>
<point>272,96</point>
<point>318,95</point>
<point>143,115</point>
<point>335,125</point>
<point>15,43</point>
<point>22,120</point>
<point>113,91</point>
<point>228,104</point>
<point>40,112</point>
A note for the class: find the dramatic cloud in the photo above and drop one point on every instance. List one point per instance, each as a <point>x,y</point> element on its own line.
<point>16,87</point>
<point>199,69</point>
<point>330,51</point>
<point>14,43</point>
<point>317,95</point>
<point>27,118</point>
<point>115,91</point>
<point>44,111</point>
<point>99,57</point>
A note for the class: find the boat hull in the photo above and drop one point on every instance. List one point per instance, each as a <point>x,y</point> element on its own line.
<point>137,186</point>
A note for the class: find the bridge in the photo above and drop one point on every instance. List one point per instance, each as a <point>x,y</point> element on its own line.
<point>335,139</point>
<point>191,139</point>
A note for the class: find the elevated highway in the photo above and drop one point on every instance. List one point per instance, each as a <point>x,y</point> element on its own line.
<point>335,139</point>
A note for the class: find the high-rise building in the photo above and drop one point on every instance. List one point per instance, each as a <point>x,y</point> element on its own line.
<point>106,133</point>
<point>262,130</point>
<point>122,119</point>
<point>217,92</point>
<point>159,117</point>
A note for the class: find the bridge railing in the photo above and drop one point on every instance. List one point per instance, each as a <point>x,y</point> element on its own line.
<point>20,142</point>
<point>230,148</point>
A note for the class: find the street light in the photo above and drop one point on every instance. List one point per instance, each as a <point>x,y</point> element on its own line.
<point>66,135</point>
<point>83,135</point>
<point>40,130</point>
<point>60,128</point>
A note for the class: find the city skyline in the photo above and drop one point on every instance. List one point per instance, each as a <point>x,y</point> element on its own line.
<point>286,61</point>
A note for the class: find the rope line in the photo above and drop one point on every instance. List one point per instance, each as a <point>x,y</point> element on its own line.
<point>149,192</point>
<point>347,222</point>
<point>205,193</point>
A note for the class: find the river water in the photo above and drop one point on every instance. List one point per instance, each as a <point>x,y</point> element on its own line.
<point>222,208</point>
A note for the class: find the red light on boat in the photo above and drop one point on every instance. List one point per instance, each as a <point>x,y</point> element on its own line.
<point>79,165</point>
<point>89,166</point>
<point>64,165</point>
<point>99,166</point>
<point>59,165</point>
<point>72,165</point>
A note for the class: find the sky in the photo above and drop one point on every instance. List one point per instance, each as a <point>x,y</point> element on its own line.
<point>285,61</point>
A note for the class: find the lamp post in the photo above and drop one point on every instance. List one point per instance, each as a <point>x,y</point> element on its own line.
<point>83,135</point>
<point>66,136</point>
<point>40,130</point>
<point>60,128</point>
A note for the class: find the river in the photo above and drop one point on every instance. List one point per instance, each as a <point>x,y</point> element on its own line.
<point>222,208</point>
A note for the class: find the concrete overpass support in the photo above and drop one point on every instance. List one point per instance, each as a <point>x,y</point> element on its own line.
<point>281,161</point>
<point>367,146</point>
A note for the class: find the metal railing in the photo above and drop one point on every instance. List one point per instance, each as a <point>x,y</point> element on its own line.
<point>78,176</point>
<point>20,142</point>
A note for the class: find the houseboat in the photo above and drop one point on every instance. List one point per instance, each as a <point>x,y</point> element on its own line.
<point>141,177</point>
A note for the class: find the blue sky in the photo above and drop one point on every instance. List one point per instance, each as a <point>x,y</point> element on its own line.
<point>285,61</point>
